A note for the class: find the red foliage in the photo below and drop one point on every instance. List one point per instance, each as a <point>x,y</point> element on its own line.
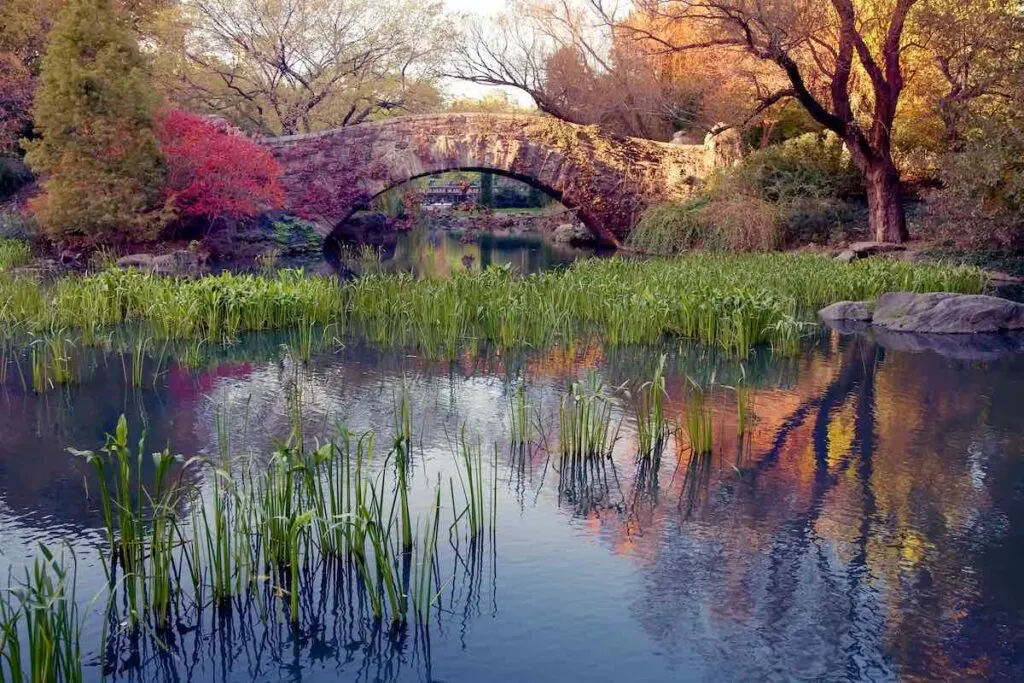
<point>214,171</point>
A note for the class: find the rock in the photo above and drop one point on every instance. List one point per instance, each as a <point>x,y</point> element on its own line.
<point>945,313</point>
<point>859,250</point>
<point>723,148</point>
<point>573,233</point>
<point>847,256</point>
<point>180,262</point>
<point>864,249</point>
<point>855,311</point>
<point>682,137</point>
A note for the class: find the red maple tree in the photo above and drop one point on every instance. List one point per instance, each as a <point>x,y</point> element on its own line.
<point>214,170</point>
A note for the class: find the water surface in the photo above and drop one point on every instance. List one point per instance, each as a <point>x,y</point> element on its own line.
<point>868,526</point>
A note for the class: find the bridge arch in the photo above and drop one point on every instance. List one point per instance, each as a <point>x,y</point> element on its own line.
<point>608,181</point>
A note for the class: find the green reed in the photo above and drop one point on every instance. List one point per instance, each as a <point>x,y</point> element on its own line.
<point>471,479</point>
<point>585,421</point>
<point>40,625</point>
<point>651,426</point>
<point>422,593</point>
<point>519,412</point>
<point>402,451</point>
<point>140,523</point>
<point>133,368</point>
<point>52,361</point>
<point>744,398</point>
<point>171,545</point>
<point>731,301</point>
<point>699,424</point>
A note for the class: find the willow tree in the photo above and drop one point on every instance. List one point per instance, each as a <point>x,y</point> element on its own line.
<point>300,66</point>
<point>840,59</point>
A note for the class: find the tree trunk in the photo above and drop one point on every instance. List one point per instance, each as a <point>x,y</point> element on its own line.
<point>886,219</point>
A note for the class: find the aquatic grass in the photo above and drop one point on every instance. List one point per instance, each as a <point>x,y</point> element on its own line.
<point>585,419</point>
<point>729,301</point>
<point>140,523</point>
<point>698,423</point>
<point>424,569</point>
<point>257,529</point>
<point>402,451</point>
<point>519,411</point>
<point>470,472</point>
<point>744,398</point>
<point>52,361</point>
<point>39,617</point>
<point>651,426</point>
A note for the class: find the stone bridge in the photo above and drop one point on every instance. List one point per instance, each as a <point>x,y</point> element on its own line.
<point>608,181</point>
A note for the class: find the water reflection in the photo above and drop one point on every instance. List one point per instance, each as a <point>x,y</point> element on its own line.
<point>438,253</point>
<point>867,523</point>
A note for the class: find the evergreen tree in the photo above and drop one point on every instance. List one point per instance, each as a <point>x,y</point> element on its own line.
<point>98,151</point>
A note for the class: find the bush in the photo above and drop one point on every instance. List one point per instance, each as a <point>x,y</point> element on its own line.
<point>810,165</point>
<point>14,253</point>
<point>724,224</point>
<point>981,204</point>
<point>783,195</point>
<point>214,171</point>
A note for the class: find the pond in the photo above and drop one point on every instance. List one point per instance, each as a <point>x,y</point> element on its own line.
<point>859,516</point>
<point>437,253</point>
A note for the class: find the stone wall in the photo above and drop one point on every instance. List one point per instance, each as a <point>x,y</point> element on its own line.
<point>608,181</point>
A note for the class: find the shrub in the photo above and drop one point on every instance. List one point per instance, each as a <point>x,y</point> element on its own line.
<point>810,165</point>
<point>214,171</point>
<point>725,224</point>
<point>669,228</point>
<point>744,224</point>
<point>982,201</point>
<point>14,253</point>
<point>782,195</point>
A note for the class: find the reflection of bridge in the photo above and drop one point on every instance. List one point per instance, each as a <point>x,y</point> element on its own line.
<point>607,180</point>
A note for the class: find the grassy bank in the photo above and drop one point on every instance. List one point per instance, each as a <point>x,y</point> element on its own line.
<point>733,302</point>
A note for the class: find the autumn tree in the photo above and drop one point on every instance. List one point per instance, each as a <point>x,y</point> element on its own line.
<point>977,48</point>
<point>97,151</point>
<point>214,171</point>
<point>573,67</point>
<point>296,66</point>
<point>825,51</point>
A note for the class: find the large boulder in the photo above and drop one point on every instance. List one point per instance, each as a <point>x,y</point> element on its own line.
<point>935,313</point>
<point>573,233</point>
<point>854,311</point>
<point>945,313</point>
